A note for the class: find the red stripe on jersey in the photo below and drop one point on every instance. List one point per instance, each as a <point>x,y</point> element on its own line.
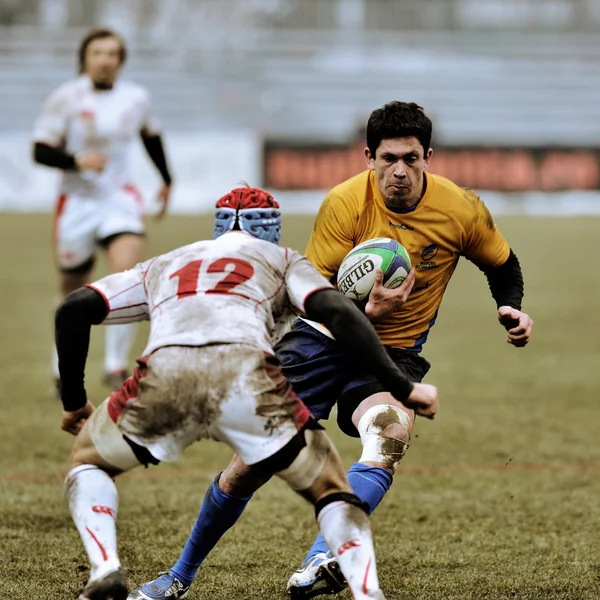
<point>129,306</point>
<point>126,319</point>
<point>92,287</point>
<point>145,275</point>
<point>281,284</point>
<point>284,390</point>
<point>126,290</point>
<point>59,210</point>
<point>325,287</point>
<point>128,391</point>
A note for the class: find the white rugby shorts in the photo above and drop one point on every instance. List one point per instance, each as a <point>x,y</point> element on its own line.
<point>233,393</point>
<point>82,221</point>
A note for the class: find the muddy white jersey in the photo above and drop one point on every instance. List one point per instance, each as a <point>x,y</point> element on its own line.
<point>80,119</point>
<point>235,289</point>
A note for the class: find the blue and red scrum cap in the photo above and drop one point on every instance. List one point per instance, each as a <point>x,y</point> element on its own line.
<point>250,209</point>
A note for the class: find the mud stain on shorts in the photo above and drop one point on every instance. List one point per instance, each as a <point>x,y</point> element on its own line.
<point>183,386</point>
<point>277,403</point>
<point>186,386</point>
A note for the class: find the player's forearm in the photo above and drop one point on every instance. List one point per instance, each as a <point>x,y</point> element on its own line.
<point>156,152</point>
<point>50,156</point>
<point>73,322</point>
<point>354,333</point>
<point>506,282</point>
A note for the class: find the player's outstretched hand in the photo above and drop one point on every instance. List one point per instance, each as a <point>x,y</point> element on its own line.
<point>164,194</point>
<point>91,161</point>
<point>383,301</point>
<point>518,324</point>
<point>73,421</point>
<point>424,400</point>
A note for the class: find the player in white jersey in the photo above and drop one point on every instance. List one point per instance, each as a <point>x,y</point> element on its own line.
<point>216,309</point>
<point>86,129</point>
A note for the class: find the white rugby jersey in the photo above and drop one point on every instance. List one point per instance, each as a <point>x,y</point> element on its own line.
<point>235,289</point>
<point>80,119</point>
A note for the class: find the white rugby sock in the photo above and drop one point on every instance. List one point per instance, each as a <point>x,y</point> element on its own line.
<point>119,340</point>
<point>93,500</point>
<point>347,532</point>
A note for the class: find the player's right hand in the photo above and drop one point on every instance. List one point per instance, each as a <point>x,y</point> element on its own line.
<point>383,301</point>
<point>424,400</point>
<point>164,195</point>
<point>91,161</point>
<point>73,421</point>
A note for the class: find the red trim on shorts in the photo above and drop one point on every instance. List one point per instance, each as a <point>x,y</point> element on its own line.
<point>59,210</point>
<point>284,389</point>
<point>131,189</point>
<point>128,391</point>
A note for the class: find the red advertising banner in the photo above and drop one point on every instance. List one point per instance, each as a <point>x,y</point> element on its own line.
<point>315,166</point>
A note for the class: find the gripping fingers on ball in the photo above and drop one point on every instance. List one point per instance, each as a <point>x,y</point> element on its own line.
<point>378,281</point>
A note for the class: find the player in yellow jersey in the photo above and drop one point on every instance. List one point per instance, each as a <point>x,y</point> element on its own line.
<point>437,222</point>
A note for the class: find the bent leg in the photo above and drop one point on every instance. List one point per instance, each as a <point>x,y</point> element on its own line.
<point>317,475</point>
<point>223,504</point>
<point>99,454</point>
<point>384,426</point>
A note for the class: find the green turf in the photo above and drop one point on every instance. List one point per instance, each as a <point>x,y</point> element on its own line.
<point>498,498</point>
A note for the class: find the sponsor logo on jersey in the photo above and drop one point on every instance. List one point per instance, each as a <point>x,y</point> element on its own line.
<point>429,252</point>
<point>401,226</point>
<point>355,274</point>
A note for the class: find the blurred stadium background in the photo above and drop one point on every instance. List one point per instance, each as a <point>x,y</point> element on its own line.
<point>513,87</point>
<point>498,498</point>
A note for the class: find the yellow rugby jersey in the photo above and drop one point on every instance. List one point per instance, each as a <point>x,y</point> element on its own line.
<point>448,222</point>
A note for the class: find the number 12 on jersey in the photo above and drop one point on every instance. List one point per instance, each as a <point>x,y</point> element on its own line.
<point>189,275</point>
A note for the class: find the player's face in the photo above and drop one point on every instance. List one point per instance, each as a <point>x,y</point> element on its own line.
<point>399,164</point>
<point>103,60</point>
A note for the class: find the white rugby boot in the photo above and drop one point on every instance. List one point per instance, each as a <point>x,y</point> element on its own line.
<point>320,575</point>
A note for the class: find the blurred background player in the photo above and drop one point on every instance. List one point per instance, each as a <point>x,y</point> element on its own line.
<point>437,222</point>
<point>209,371</point>
<point>86,129</point>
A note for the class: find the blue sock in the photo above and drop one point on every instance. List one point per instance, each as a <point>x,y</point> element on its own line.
<point>370,484</point>
<point>219,511</point>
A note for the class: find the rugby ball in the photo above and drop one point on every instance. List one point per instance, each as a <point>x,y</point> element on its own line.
<point>356,275</point>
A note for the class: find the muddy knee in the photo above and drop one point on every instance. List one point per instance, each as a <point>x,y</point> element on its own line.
<point>385,435</point>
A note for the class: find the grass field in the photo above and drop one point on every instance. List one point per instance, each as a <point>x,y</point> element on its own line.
<point>498,498</point>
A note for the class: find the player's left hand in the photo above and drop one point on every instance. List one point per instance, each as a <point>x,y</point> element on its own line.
<point>518,324</point>
<point>73,421</point>
<point>164,195</point>
<point>384,301</point>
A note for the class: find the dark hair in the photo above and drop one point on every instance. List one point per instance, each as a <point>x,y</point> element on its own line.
<point>395,120</point>
<point>98,34</point>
